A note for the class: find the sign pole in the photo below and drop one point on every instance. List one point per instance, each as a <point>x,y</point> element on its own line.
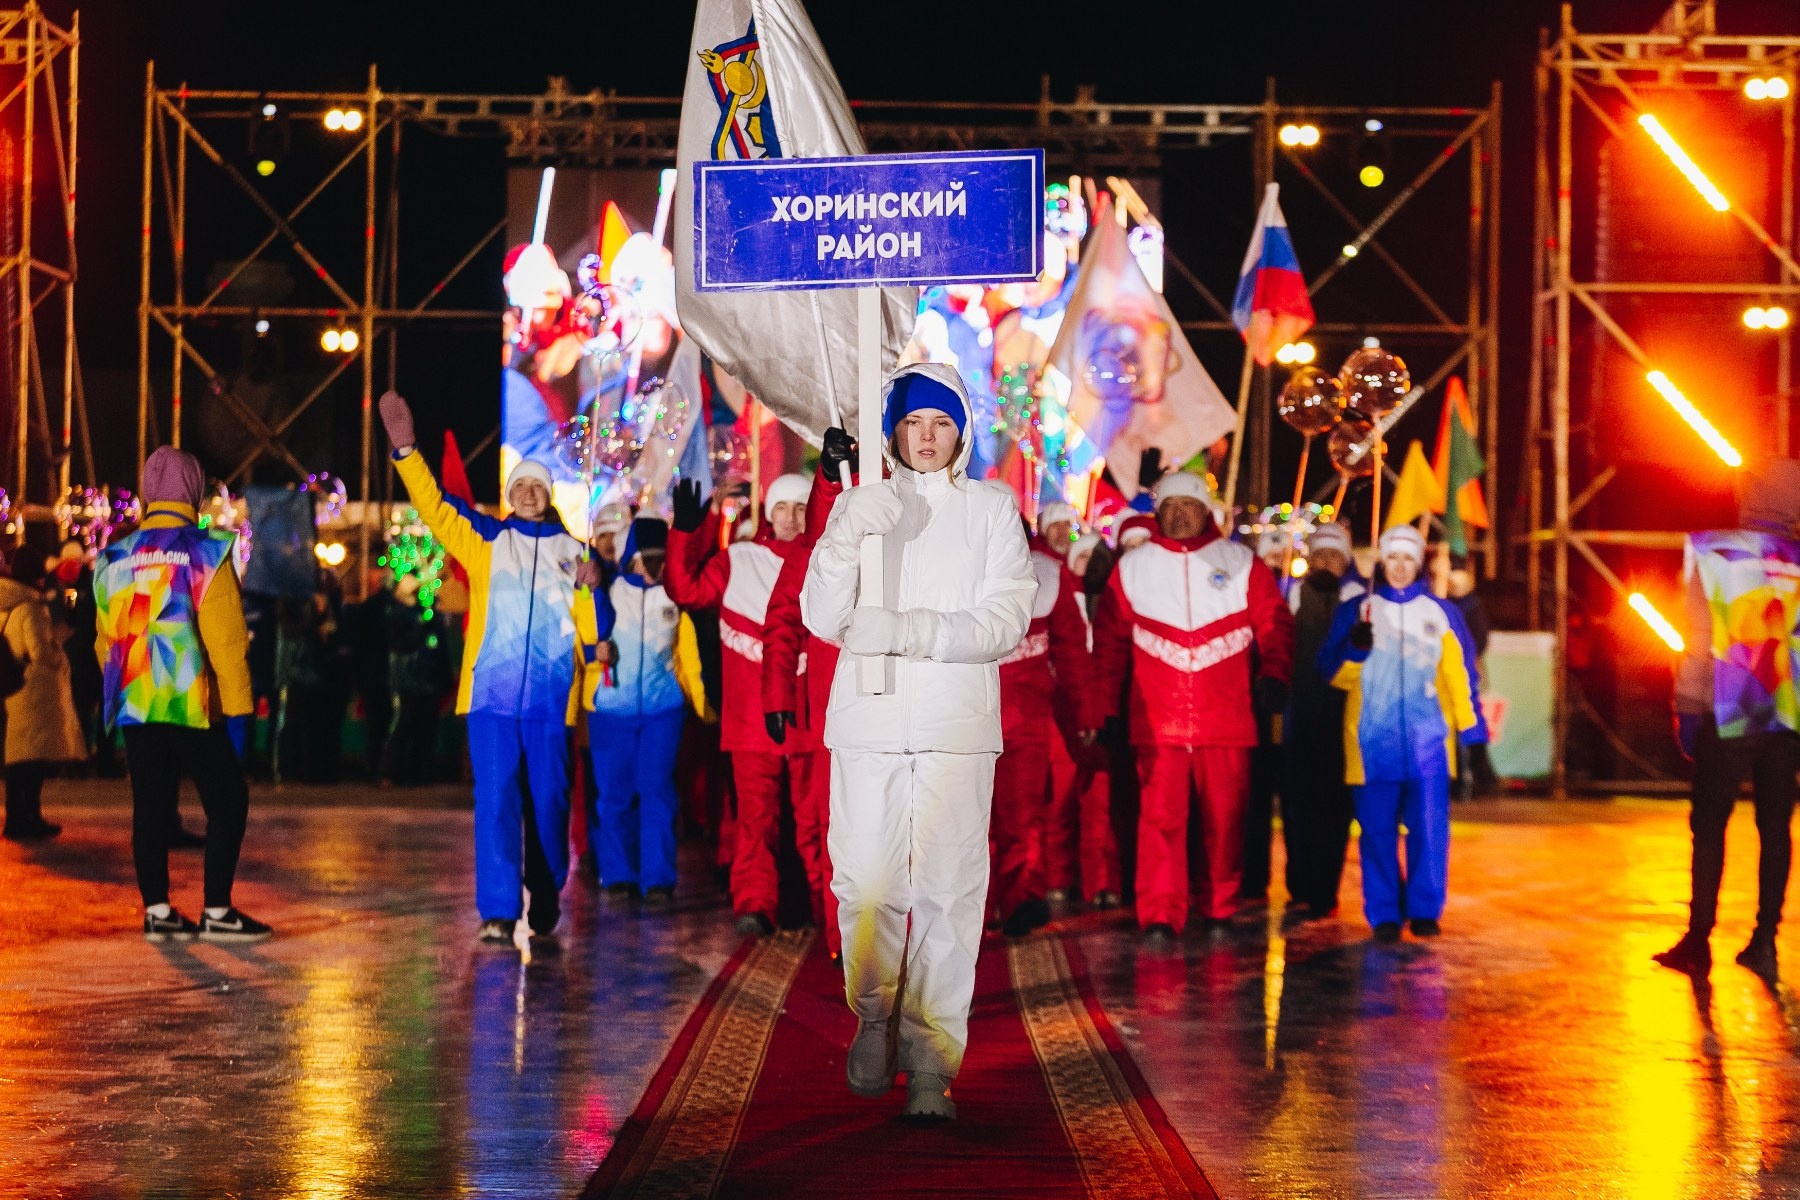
<point>871,672</point>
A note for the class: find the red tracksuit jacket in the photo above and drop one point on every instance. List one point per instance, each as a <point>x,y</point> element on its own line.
<point>738,581</point>
<point>797,667</point>
<point>1051,663</point>
<point>1184,618</point>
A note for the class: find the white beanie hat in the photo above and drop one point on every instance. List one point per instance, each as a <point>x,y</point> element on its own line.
<point>528,468</point>
<point>1404,539</point>
<point>1056,511</point>
<point>1330,536</point>
<point>1181,483</point>
<point>785,489</point>
<point>612,518</point>
<point>1274,537</point>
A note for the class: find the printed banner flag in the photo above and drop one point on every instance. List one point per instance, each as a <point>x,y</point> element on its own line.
<point>1271,307</point>
<point>1458,466</point>
<point>1134,380</point>
<point>760,86</point>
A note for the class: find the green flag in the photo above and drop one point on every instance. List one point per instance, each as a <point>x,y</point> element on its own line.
<point>1465,464</point>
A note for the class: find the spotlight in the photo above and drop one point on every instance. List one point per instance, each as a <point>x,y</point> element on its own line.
<point>1296,353</point>
<point>352,120</point>
<point>334,120</point>
<point>1373,125</point>
<point>1309,135</point>
<point>1773,88</point>
<point>1755,318</point>
<point>268,110</point>
<point>1775,317</point>
<point>1778,88</point>
<point>1655,620</point>
<point>1371,159</point>
<point>332,554</point>
<point>1285,354</point>
<point>265,167</point>
<point>1299,135</point>
<point>330,340</point>
<point>1350,250</point>
<point>1297,568</point>
<point>1372,176</point>
<point>262,328</point>
<point>1371,343</point>
<point>348,341</point>
<point>1696,419</point>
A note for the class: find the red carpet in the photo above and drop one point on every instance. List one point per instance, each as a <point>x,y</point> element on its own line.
<point>751,1100</point>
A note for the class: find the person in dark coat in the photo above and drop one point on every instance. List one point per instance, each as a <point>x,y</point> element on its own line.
<point>1316,803</point>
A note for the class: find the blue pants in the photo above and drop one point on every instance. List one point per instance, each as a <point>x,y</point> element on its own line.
<point>633,830</point>
<point>1424,806</point>
<point>514,760</point>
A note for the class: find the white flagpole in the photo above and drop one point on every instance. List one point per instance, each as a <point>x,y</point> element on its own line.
<point>543,209</point>
<point>872,672</point>
<point>831,400</point>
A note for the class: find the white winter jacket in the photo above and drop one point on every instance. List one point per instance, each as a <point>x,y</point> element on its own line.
<point>959,552</point>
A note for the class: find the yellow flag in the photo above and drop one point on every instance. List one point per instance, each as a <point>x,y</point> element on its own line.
<point>1418,491</point>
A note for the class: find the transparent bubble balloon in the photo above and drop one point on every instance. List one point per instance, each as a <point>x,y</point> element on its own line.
<point>1352,449</point>
<point>1311,402</point>
<point>1373,382</point>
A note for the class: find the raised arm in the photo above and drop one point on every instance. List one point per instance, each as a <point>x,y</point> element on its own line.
<point>452,523</point>
<point>698,569</point>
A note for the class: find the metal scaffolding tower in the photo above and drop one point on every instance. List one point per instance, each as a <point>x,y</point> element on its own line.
<point>1585,81</point>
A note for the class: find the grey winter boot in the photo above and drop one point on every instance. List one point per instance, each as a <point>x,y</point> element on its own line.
<point>871,1065</point>
<point>928,1097</point>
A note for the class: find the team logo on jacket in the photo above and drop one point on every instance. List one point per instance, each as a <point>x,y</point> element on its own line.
<point>1221,579</point>
<point>746,126</point>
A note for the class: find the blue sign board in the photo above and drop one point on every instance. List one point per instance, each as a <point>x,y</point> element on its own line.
<point>808,223</point>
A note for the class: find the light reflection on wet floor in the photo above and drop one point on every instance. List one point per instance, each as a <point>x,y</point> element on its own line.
<point>372,1050</point>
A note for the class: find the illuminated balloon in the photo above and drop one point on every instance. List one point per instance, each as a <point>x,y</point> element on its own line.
<point>1311,402</point>
<point>1352,449</point>
<point>1373,382</point>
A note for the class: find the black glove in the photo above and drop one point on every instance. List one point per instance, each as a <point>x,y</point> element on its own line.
<point>1150,468</point>
<point>1113,732</point>
<point>1271,695</point>
<point>837,448</point>
<point>1321,581</point>
<point>776,723</point>
<point>690,510</point>
<point>1362,636</point>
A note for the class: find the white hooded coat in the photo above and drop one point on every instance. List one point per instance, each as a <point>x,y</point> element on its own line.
<point>960,554</point>
<point>912,770</point>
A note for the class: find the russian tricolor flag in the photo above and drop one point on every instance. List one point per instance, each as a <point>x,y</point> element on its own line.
<point>1271,307</point>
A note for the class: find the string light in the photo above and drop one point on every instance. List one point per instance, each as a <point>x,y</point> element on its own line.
<point>1656,621</point>
<point>1695,419</point>
<point>1683,163</point>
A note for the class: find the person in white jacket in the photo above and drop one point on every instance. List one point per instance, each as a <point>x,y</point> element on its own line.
<point>912,769</point>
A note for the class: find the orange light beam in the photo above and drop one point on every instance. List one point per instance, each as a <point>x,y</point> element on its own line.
<point>1686,165</point>
<point>1656,621</point>
<point>1696,419</point>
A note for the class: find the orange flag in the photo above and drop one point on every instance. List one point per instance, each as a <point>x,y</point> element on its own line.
<point>1469,500</point>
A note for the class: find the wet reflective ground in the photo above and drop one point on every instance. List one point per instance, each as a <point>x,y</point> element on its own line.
<point>372,1050</point>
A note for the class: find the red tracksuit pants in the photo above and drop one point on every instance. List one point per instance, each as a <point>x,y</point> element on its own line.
<point>755,886</point>
<point>812,826</point>
<point>1015,830</point>
<point>1079,829</point>
<point>1170,777</point>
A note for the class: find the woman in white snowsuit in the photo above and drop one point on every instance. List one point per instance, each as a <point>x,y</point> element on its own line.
<point>912,769</point>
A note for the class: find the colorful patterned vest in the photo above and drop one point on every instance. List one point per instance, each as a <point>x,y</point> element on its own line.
<point>148,587</point>
<point>1752,586</point>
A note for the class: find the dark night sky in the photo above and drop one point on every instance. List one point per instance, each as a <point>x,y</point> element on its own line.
<point>1394,52</point>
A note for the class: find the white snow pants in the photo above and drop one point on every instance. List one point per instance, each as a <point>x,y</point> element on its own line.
<point>909,840</point>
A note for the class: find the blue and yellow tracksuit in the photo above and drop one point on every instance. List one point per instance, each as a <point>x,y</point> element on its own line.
<point>634,732</point>
<point>1410,698</point>
<point>518,684</point>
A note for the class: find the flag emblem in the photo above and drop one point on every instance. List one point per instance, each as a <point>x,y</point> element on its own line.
<point>746,121</point>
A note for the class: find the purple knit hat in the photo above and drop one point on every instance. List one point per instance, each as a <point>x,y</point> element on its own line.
<point>172,475</point>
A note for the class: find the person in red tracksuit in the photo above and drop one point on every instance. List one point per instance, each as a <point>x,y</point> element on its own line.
<point>738,581</point>
<point>1051,660</point>
<point>1184,613</point>
<point>797,671</point>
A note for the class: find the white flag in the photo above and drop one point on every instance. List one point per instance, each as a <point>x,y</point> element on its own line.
<point>1134,380</point>
<point>759,86</point>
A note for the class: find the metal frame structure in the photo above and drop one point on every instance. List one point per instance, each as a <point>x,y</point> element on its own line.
<point>43,265</point>
<point>605,129</point>
<point>1684,51</point>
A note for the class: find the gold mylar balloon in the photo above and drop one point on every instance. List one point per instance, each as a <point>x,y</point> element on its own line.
<point>1352,448</point>
<point>1311,401</point>
<point>1373,382</point>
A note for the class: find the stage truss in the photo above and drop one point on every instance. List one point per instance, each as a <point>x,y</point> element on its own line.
<point>1684,52</point>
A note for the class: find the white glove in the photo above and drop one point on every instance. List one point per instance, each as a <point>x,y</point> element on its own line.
<point>875,632</point>
<point>866,510</point>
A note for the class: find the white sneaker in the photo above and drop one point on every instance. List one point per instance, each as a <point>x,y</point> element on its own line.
<point>871,1064</point>
<point>928,1097</point>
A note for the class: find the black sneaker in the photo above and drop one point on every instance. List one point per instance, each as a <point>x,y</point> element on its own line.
<point>624,893</point>
<point>1159,936</point>
<point>545,945</point>
<point>234,926</point>
<point>1032,914</point>
<point>659,897</point>
<point>1387,933</point>
<point>753,924</point>
<point>1691,955</point>
<point>1107,901</point>
<point>1425,927</point>
<point>183,838</point>
<point>39,830</point>
<point>496,931</point>
<point>172,928</point>
<point>1759,956</point>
